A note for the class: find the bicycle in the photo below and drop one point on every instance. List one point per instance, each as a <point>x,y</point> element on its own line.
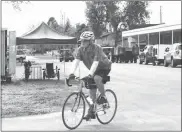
<point>78,103</point>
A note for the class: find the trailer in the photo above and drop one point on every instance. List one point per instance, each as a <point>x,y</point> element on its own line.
<point>8,54</point>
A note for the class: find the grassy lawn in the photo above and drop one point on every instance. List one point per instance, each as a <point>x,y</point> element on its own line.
<point>33,98</point>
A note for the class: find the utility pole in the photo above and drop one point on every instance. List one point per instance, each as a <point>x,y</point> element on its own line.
<point>61,20</point>
<point>160,14</point>
<point>64,19</point>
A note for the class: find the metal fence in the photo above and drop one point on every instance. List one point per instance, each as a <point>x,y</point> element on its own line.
<point>36,73</point>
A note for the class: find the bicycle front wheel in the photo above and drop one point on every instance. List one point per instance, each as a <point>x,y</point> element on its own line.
<point>106,112</point>
<point>73,110</point>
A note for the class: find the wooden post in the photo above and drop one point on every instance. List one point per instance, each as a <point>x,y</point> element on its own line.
<point>159,37</point>
<point>79,70</point>
<point>139,42</point>
<point>159,42</point>
<point>172,37</point>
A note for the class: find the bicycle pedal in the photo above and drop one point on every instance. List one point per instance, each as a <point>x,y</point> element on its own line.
<point>87,119</point>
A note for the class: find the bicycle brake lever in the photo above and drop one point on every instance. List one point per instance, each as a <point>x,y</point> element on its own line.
<point>76,77</point>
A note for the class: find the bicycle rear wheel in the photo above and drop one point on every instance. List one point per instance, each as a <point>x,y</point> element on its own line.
<point>73,110</point>
<point>106,112</point>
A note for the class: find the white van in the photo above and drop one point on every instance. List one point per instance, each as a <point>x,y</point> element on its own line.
<point>158,53</point>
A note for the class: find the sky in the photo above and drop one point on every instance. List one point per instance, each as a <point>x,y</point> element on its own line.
<point>38,11</point>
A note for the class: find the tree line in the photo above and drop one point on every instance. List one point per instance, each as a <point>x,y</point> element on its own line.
<point>122,15</point>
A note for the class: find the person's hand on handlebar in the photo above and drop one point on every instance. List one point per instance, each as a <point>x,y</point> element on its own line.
<point>72,76</point>
<point>89,76</point>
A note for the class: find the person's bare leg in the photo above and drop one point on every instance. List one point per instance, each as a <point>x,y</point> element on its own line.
<point>93,94</point>
<point>100,85</point>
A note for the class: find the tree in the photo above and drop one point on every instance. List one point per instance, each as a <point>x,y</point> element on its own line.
<point>16,4</point>
<point>113,14</point>
<point>67,25</point>
<point>80,28</point>
<point>136,13</point>
<point>71,31</point>
<point>54,25</point>
<point>68,29</point>
<point>96,15</point>
<point>133,13</point>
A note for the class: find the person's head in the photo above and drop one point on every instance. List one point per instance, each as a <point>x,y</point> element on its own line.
<point>87,38</point>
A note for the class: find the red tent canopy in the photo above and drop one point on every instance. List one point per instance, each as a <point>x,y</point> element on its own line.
<point>44,34</point>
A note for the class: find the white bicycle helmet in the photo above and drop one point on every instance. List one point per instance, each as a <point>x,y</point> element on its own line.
<point>87,35</point>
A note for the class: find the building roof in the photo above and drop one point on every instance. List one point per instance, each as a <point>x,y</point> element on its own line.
<point>142,26</point>
<point>43,34</point>
<point>151,29</point>
<point>107,34</point>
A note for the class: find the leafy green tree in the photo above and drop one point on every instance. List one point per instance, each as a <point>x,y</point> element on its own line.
<point>80,28</point>
<point>133,13</point>
<point>54,24</point>
<point>69,29</point>
<point>113,14</point>
<point>136,13</point>
<point>96,15</point>
<point>67,25</point>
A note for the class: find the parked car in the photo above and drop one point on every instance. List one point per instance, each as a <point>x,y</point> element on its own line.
<point>172,55</point>
<point>145,55</point>
<point>20,55</point>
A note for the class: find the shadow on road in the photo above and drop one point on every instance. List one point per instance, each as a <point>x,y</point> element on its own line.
<point>100,127</point>
<point>47,81</point>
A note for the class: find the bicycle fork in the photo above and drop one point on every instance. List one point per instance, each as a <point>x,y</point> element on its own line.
<point>78,97</point>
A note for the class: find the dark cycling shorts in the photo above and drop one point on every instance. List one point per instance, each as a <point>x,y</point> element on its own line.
<point>102,72</point>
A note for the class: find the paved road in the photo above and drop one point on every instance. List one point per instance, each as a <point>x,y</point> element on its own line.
<point>149,98</point>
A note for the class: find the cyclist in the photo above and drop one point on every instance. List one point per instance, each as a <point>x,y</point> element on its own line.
<point>98,64</point>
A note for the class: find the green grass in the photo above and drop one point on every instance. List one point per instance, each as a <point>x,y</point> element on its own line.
<point>33,98</point>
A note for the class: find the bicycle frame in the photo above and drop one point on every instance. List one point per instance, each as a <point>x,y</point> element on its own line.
<point>80,93</point>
